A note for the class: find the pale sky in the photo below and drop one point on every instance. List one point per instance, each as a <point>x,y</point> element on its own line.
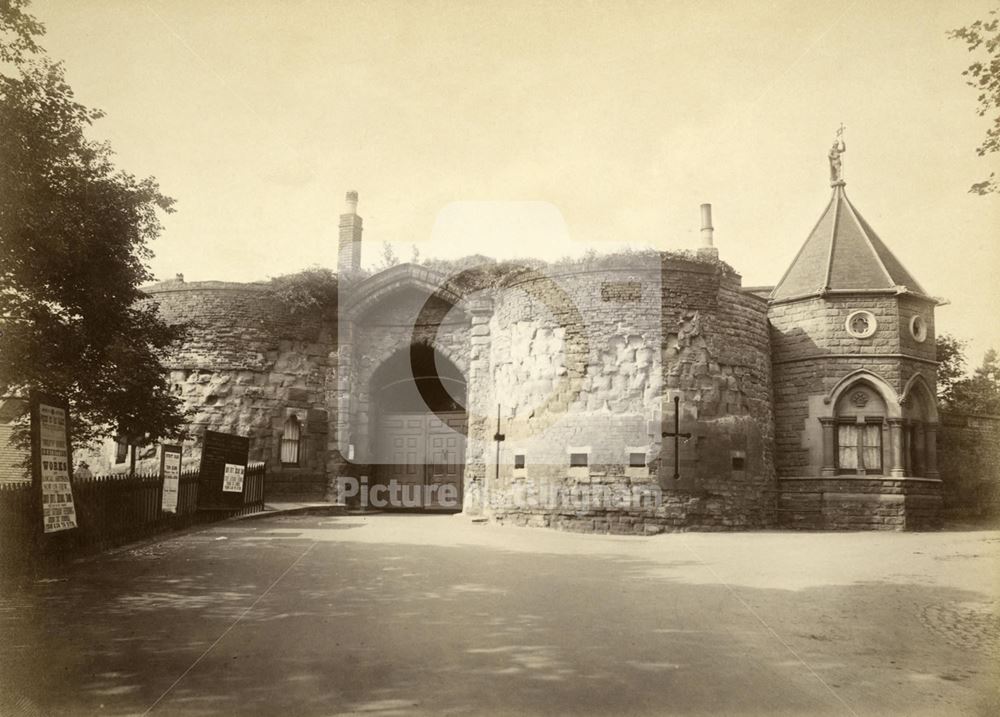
<point>564,123</point>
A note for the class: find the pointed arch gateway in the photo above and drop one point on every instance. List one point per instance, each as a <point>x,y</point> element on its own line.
<point>420,424</point>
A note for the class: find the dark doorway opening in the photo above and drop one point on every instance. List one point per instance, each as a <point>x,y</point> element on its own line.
<point>420,430</point>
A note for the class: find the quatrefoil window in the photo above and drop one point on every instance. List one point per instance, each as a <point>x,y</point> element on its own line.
<point>861,324</point>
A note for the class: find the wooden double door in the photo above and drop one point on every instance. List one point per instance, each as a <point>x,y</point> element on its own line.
<point>424,455</point>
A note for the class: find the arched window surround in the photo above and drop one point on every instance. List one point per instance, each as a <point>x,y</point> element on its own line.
<point>290,446</point>
<point>912,441</point>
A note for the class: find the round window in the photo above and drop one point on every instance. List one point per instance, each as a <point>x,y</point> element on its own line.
<point>861,324</point>
<point>918,328</point>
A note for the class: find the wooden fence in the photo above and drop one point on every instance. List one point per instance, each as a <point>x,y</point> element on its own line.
<point>110,510</point>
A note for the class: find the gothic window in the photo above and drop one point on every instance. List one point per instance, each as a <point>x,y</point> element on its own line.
<point>291,442</point>
<point>856,444</point>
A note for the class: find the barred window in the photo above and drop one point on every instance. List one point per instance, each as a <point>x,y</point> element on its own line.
<point>290,442</point>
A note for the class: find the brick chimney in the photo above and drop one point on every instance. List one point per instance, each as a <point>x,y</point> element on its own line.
<point>349,256</point>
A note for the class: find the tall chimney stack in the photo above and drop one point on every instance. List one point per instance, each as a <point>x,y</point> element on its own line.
<point>707,248</point>
<point>349,257</point>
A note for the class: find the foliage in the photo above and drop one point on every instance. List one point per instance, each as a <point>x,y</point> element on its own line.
<point>978,393</point>
<point>951,366</point>
<point>984,75</point>
<point>311,291</point>
<point>18,30</point>
<point>388,258</point>
<point>74,242</point>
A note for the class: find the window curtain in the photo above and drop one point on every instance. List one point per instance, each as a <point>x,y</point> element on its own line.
<point>847,446</point>
<point>290,441</point>
<point>872,448</point>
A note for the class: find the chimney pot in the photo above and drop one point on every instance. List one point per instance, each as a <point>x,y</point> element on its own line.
<point>352,203</point>
<point>706,225</point>
<point>707,247</point>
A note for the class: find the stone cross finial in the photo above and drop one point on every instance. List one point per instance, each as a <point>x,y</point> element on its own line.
<point>836,163</point>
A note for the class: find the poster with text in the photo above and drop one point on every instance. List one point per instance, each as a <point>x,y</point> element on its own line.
<point>232,479</point>
<point>170,473</point>
<point>220,487</point>
<point>52,457</point>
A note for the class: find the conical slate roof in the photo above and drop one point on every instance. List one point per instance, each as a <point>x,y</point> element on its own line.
<point>843,254</point>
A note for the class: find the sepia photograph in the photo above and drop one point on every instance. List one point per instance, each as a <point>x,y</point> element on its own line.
<point>404,358</point>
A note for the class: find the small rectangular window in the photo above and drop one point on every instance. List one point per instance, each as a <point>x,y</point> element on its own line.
<point>739,463</point>
<point>636,460</point>
<point>290,441</point>
<point>121,450</point>
<point>578,460</point>
<point>518,461</point>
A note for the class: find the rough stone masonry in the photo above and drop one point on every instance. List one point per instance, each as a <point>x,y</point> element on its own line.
<point>807,404</point>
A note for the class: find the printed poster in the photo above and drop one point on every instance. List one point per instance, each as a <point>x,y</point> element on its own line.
<point>220,487</point>
<point>58,510</point>
<point>170,473</point>
<point>232,478</point>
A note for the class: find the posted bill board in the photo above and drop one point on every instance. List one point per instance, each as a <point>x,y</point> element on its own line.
<point>52,462</point>
<point>170,474</point>
<point>232,479</point>
<point>221,483</point>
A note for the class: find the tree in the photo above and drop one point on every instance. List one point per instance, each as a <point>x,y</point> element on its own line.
<point>980,393</point>
<point>388,258</point>
<point>74,246</point>
<point>951,366</point>
<point>984,75</point>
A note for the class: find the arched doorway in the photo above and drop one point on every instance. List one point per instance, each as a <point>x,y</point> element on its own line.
<point>418,397</point>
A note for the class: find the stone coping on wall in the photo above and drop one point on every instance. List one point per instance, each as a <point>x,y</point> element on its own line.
<point>848,477</point>
<point>616,264</point>
<point>170,286</point>
<point>960,418</point>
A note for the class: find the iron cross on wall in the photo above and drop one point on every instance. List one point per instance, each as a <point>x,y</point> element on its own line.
<point>677,435</point>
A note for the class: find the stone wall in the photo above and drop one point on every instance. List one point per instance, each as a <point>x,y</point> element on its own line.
<point>860,503</point>
<point>249,362</point>
<point>587,359</point>
<point>969,460</point>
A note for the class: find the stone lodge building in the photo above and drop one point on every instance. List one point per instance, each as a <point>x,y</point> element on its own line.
<point>808,404</point>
